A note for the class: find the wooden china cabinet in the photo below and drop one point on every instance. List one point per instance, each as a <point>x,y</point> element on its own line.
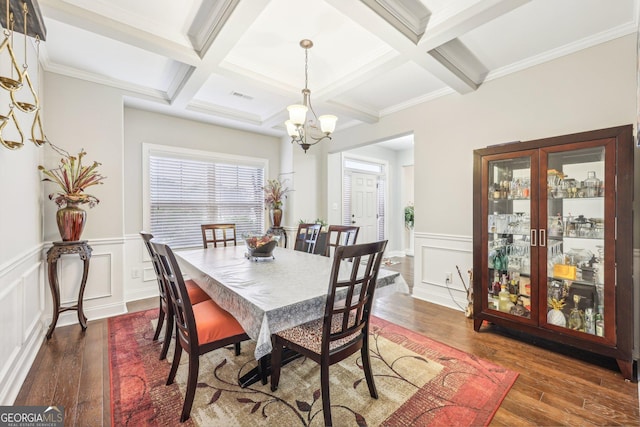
<point>553,240</point>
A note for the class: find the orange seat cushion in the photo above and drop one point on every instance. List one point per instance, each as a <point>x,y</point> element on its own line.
<point>213,323</point>
<point>196,294</point>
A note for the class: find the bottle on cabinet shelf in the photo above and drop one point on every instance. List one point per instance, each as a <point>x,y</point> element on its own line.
<point>592,185</point>
<point>504,301</point>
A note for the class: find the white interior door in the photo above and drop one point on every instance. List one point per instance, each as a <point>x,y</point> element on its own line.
<point>363,206</point>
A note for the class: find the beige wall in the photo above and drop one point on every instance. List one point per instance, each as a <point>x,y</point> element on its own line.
<point>152,128</point>
<point>86,115</point>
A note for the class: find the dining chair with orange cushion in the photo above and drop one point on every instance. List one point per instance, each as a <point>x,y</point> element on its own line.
<point>307,237</point>
<point>165,313</point>
<point>200,328</point>
<point>218,234</point>
<point>340,235</point>
<point>344,328</point>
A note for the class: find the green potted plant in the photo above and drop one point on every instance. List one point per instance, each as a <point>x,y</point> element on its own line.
<point>408,216</point>
<point>73,178</point>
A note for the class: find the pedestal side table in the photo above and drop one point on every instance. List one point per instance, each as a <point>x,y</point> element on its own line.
<point>58,249</point>
<point>279,231</point>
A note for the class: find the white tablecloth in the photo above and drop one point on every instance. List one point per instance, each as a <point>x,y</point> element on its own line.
<point>269,295</point>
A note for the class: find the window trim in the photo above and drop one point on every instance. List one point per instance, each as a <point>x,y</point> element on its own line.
<point>149,149</point>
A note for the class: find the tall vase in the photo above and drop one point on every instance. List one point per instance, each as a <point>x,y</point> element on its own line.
<point>276,217</point>
<point>71,221</point>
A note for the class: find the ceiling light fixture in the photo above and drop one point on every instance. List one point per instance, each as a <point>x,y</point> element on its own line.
<point>305,132</point>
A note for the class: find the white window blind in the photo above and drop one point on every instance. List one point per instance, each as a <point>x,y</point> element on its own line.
<point>186,193</point>
<point>346,199</point>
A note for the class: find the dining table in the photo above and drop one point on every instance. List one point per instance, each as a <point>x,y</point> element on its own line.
<point>271,294</point>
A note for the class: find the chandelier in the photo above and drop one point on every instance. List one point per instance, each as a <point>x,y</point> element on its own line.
<point>305,132</point>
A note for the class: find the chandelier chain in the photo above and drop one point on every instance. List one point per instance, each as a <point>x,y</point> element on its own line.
<point>306,68</point>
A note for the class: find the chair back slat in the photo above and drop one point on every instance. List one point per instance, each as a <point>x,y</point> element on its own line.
<point>307,237</point>
<point>183,311</point>
<point>218,234</point>
<point>340,235</point>
<point>146,237</point>
<point>354,272</point>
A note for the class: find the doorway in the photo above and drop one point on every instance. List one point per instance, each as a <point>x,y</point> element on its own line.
<point>364,198</point>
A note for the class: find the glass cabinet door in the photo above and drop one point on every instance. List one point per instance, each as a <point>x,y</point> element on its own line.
<point>508,275</point>
<point>576,253</point>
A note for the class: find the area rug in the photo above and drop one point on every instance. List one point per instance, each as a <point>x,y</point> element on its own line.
<point>420,382</point>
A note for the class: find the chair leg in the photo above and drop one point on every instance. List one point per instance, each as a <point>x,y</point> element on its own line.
<point>177,353</point>
<point>276,361</point>
<point>192,381</point>
<point>161,315</point>
<point>366,365</point>
<point>237,347</point>
<point>324,386</point>
<point>168,335</point>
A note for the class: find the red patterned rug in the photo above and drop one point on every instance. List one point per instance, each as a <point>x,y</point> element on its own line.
<point>420,382</point>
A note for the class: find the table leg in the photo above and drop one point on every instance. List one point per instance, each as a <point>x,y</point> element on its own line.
<point>81,317</point>
<point>55,293</point>
<point>262,369</point>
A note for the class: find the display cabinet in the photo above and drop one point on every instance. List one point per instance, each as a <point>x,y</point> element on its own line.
<point>553,240</point>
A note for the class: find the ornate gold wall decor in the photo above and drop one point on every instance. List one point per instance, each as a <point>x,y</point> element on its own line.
<point>29,104</point>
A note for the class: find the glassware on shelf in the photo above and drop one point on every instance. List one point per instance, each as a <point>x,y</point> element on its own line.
<point>597,231</point>
<point>556,228</point>
<point>592,185</point>
<point>576,316</point>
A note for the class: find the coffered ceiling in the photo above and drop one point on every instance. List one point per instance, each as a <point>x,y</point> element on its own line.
<point>238,63</point>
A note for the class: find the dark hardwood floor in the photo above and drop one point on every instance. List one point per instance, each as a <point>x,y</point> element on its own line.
<point>556,387</point>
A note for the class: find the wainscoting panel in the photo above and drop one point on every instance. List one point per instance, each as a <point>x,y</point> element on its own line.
<point>139,276</point>
<point>22,302</point>
<point>32,301</point>
<point>435,256</point>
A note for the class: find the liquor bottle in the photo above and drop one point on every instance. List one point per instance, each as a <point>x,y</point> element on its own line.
<point>495,290</point>
<point>599,324</point>
<point>589,320</point>
<point>504,302</point>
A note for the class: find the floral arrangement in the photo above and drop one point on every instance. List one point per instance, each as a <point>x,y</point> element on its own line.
<point>73,178</point>
<point>274,193</point>
<point>408,216</point>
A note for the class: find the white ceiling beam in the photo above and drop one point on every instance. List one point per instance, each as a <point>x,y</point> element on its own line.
<point>226,34</point>
<point>467,15</point>
<point>367,18</point>
<point>462,17</point>
<point>410,17</point>
<point>81,18</point>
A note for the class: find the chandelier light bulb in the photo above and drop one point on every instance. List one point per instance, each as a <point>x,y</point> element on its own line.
<point>297,114</point>
<point>291,128</point>
<point>328,123</point>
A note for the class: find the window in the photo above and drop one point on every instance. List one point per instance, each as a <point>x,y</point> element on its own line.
<point>187,190</point>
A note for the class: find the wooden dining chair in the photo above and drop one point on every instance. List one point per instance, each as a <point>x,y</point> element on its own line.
<point>344,329</point>
<point>307,237</point>
<point>220,234</point>
<point>200,328</point>
<point>165,312</point>
<point>340,235</point>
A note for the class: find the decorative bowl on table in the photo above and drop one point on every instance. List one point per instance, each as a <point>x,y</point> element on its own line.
<point>261,246</point>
